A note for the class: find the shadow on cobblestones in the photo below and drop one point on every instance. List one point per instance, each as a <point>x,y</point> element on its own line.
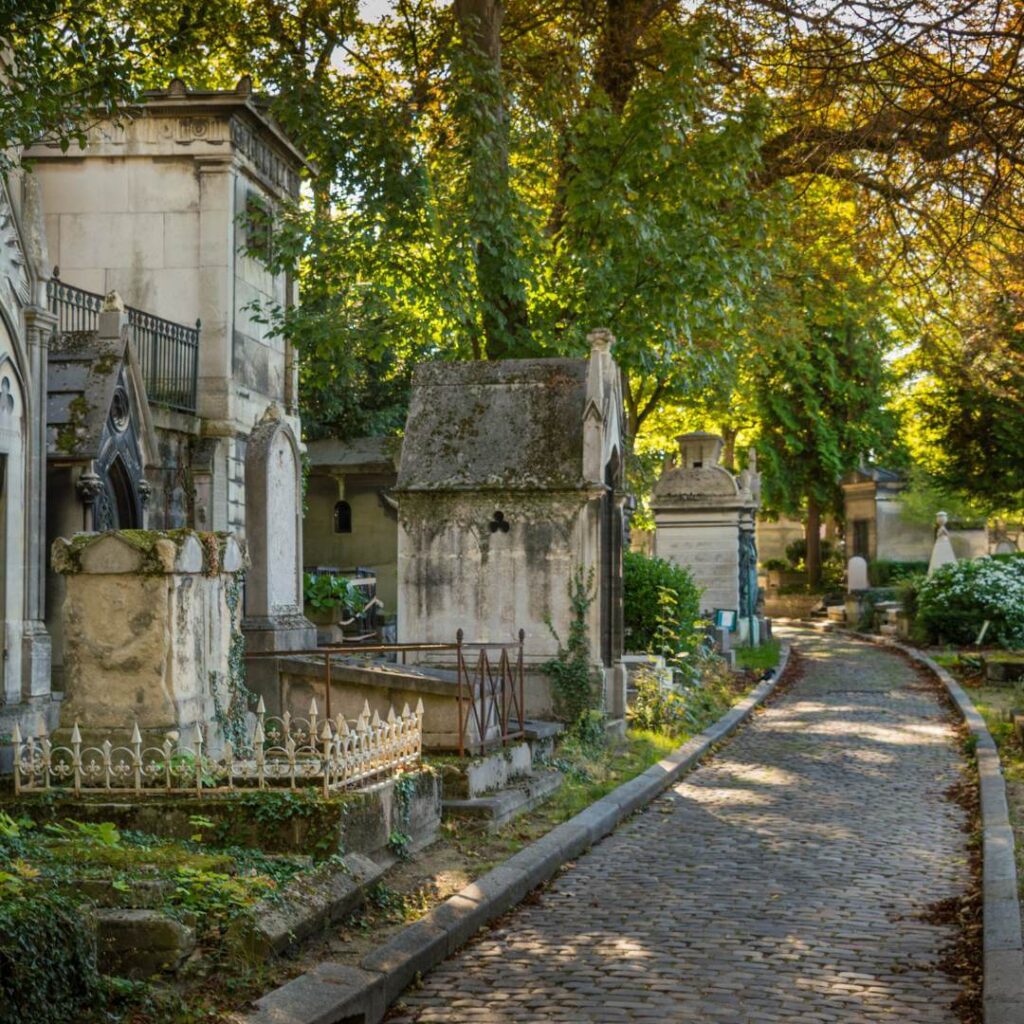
<point>789,878</point>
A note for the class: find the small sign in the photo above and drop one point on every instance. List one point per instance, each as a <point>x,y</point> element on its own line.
<point>725,618</point>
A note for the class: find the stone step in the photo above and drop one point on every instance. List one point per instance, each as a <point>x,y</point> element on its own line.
<point>542,736</point>
<point>499,808</point>
<point>306,907</point>
<point>469,777</point>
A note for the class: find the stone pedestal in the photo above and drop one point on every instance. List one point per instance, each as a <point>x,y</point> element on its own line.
<point>856,575</point>
<point>150,625</point>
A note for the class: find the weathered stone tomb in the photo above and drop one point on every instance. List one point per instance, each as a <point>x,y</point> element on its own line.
<point>704,521</point>
<point>510,481</point>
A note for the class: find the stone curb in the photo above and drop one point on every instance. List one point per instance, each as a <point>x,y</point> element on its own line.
<point>1002,943</point>
<point>337,994</point>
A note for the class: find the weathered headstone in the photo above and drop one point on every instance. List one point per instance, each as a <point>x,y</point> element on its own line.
<point>857,574</point>
<point>942,551</point>
<point>274,620</point>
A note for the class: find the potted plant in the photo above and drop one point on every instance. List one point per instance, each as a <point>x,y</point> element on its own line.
<point>329,598</point>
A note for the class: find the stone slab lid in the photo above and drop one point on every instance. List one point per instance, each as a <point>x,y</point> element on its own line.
<point>358,455</point>
<point>511,424</point>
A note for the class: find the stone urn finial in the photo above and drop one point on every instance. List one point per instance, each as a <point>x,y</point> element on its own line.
<point>941,518</point>
<point>699,449</point>
<point>112,303</point>
<point>601,340</point>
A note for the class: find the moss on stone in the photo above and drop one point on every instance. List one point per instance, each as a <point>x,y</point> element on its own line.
<point>69,436</point>
<point>212,544</point>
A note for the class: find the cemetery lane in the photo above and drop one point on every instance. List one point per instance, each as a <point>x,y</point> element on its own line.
<point>791,878</point>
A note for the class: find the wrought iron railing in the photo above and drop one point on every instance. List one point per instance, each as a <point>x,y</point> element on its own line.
<point>492,706</point>
<point>168,352</point>
<point>328,753</point>
<point>490,691</point>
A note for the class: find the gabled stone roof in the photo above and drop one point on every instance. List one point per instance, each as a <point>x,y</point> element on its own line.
<point>81,379</point>
<point>513,424</point>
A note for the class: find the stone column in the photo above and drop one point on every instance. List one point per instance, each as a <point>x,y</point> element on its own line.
<point>35,641</point>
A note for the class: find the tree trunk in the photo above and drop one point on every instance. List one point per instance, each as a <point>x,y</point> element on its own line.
<point>729,435</point>
<point>813,538</point>
<point>499,282</point>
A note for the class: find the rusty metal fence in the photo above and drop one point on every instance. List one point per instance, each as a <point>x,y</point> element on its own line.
<point>332,754</point>
<point>489,687</point>
<point>491,696</point>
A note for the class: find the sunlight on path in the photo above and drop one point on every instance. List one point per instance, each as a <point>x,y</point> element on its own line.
<point>782,882</point>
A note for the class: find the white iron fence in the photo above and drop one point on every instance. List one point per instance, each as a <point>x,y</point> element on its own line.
<point>285,751</point>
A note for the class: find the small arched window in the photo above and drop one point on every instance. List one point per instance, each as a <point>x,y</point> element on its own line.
<point>342,517</point>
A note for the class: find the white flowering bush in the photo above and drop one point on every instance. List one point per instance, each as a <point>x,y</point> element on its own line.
<point>955,602</point>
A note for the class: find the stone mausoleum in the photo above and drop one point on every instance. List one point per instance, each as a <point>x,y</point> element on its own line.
<point>139,388</point>
<point>705,521</point>
<point>877,527</point>
<point>511,480</point>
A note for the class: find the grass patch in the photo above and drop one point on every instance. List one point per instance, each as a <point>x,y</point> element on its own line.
<point>758,659</point>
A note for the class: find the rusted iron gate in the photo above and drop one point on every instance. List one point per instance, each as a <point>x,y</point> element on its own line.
<point>490,695</point>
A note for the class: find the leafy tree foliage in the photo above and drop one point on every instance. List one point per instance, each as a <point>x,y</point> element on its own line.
<point>820,383</point>
<point>752,195</point>
<point>970,400</point>
<point>63,65</point>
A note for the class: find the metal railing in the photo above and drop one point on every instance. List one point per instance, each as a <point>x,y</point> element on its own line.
<point>489,691</point>
<point>285,751</point>
<point>491,697</point>
<point>168,352</point>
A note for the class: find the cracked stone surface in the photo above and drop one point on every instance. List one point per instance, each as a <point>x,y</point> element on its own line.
<point>784,880</point>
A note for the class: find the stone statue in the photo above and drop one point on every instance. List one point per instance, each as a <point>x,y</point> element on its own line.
<point>748,574</point>
<point>942,552</point>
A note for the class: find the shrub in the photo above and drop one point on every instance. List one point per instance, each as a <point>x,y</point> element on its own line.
<point>325,591</point>
<point>662,606</point>
<point>1008,556</point>
<point>954,603</point>
<point>869,600</point>
<point>883,573</point>
<point>47,959</point>
<point>796,552</point>
<point>656,707</point>
<point>775,565</point>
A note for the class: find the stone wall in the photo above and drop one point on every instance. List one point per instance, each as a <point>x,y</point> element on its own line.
<point>774,536</point>
<point>373,542</point>
<point>455,573</point>
<point>709,548</point>
<point>149,619</point>
<point>900,540</point>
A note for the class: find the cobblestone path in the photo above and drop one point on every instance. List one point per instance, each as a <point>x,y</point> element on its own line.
<point>783,881</point>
